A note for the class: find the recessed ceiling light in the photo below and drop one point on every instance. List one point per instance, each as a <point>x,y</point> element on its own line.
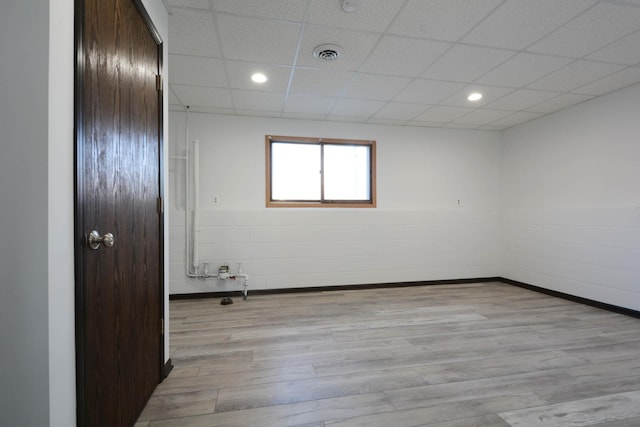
<point>259,78</point>
<point>475,96</point>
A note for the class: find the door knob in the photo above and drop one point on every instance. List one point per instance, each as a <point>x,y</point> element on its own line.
<point>95,240</point>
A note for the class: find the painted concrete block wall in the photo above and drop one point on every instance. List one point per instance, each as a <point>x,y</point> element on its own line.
<point>417,232</point>
<point>571,200</point>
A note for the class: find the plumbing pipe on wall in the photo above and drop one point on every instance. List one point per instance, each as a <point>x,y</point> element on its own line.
<point>187,203</point>
<point>192,218</point>
<point>195,262</point>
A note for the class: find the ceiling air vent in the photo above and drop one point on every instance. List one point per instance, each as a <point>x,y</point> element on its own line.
<point>328,52</point>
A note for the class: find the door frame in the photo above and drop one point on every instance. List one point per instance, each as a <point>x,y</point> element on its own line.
<point>79,231</point>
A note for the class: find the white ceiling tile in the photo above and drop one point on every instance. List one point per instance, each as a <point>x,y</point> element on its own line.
<point>399,65</point>
<point>203,96</point>
<point>516,119</point>
<point>392,122</point>
<point>303,116</point>
<point>347,119</point>
<point>196,4</point>
<point>192,33</point>
<point>518,23</point>
<point>258,113</point>
<point>522,69</point>
<point>489,94</point>
<point>558,103</point>
<point>346,107</point>
<point>309,104</point>
<point>288,10</point>
<point>356,44</point>
<point>196,71</point>
<point>611,83</point>
<point>594,29</point>
<point>574,75</point>
<point>403,56</point>
<point>427,91</point>
<point>251,100</point>
<point>624,51</point>
<point>240,76</point>
<point>426,124</point>
<point>521,99</point>
<point>440,114</point>
<point>371,86</point>
<point>441,19</point>
<point>482,116</point>
<point>464,63</point>
<point>250,39</point>
<point>320,82</point>
<point>373,15</point>
<point>467,126</point>
<point>400,111</point>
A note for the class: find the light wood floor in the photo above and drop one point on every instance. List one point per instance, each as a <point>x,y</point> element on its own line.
<point>474,355</point>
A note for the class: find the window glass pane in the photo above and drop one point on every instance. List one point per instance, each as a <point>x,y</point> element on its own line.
<point>346,172</point>
<point>295,171</point>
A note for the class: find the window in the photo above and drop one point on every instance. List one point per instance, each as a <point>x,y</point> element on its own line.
<point>317,172</point>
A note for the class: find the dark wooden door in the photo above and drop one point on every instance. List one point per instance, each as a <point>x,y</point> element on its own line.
<point>119,289</point>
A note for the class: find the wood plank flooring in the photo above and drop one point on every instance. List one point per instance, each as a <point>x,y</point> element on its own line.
<point>476,355</point>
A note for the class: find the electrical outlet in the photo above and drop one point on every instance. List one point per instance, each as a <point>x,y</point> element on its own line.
<point>215,200</point>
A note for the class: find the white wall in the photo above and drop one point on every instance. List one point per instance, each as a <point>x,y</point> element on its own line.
<point>571,200</point>
<point>417,232</point>
<point>24,362</point>
<point>62,367</point>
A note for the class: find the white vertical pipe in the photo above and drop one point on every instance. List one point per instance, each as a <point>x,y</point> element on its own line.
<point>187,201</point>
<point>196,205</point>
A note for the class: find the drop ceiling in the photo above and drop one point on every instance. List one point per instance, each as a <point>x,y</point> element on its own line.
<point>404,62</point>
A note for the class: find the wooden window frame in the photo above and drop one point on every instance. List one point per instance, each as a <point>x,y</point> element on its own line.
<point>371,203</point>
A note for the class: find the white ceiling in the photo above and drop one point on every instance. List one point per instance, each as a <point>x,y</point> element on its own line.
<point>405,62</point>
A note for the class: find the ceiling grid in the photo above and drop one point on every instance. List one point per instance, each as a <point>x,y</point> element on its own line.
<point>402,62</point>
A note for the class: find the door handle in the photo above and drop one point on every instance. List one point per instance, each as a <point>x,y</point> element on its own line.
<point>94,240</point>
